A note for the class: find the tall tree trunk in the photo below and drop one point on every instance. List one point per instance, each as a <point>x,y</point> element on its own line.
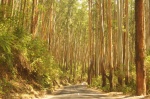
<point>102,56</point>
<point>50,25</point>
<point>111,71</point>
<point>120,45</point>
<point>34,19</point>
<point>126,44</point>
<point>140,48</point>
<point>90,43</point>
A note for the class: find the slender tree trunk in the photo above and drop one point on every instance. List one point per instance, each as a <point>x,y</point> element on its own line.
<point>34,19</point>
<point>50,33</point>
<point>103,56</point>
<point>111,71</point>
<point>90,43</point>
<point>126,44</point>
<point>120,44</point>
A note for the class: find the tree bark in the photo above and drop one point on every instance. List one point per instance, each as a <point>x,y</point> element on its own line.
<point>90,42</point>
<point>111,71</point>
<point>120,45</point>
<point>140,49</point>
<point>126,44</point>
<point>34,19</point>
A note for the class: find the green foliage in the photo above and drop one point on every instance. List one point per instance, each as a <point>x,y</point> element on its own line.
<point>130,89</point>
<point>42,62</point>
<point>96,82</point>
<point>6,45</point>
<point>126,89</point>
<point>106,88</point>
<point>15,38</point>
<point>5,86</point>
<point>22,38</point>
<point>148,52</point>
<point>147,62</point>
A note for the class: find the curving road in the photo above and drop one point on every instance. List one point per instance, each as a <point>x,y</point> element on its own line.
<point>82,92</point>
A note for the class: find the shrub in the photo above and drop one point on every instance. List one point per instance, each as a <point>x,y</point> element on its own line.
<point>42,62</point>
<point>6,45</point>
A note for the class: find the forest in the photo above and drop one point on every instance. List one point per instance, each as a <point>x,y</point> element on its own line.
<point>53,43</point>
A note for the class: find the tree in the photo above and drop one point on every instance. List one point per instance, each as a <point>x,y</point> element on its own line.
<point>34,19</point>
<point>111,72</point>
<point>102,55</point>
<point>120,45</point>
<point>126,42</point>
<point>140,48</point>
<point>90,43</point>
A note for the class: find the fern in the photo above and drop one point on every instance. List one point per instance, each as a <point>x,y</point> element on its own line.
<point>6,44</point>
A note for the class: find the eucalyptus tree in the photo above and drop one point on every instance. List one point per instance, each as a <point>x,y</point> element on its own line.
<point>120,44</point>
<point>140,48</point>
<point>126,42</point>
<point>90,44</point>
<point>110,58</point>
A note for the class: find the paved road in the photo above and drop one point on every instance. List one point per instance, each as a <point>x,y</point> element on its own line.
<point>82,92</point>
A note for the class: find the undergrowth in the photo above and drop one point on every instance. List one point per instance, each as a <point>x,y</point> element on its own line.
<point>126,89</point>
<point>21,55</point>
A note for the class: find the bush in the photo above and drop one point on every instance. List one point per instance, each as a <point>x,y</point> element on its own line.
<point>14,40</point>
<point>96,82</point>
<point>42,62</point>
<point>5,86</point>
<point>6,45</point>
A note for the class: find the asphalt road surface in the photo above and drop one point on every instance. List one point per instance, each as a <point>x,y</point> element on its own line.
<point>82,92</point>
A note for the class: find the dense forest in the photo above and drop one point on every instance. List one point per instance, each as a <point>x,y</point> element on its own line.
<point>48,43</point>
